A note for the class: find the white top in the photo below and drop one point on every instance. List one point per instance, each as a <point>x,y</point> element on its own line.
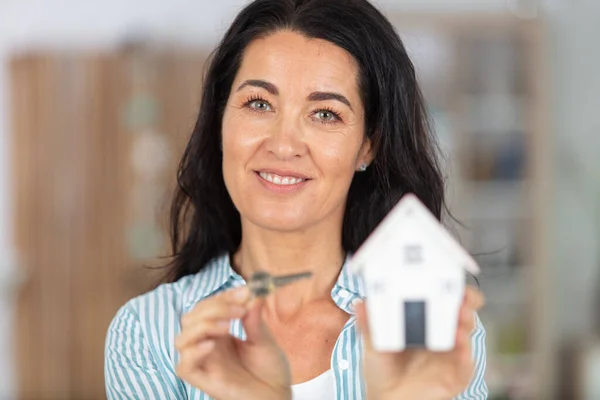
<point>320,388</point>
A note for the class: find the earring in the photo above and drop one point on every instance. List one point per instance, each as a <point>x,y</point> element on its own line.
<point>363,167</point>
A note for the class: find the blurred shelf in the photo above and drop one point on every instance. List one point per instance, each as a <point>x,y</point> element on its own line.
<point>495,114</point>
<point>484,77</point>
<point>496,200</point>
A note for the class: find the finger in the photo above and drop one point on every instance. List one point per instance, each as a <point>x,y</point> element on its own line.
<point>473,298</point>
<point>465,326</point>
<point>466,319</point>
<point>201,331</point>
<point>363,325</point>
<point>229,304</point>
<point>240,295</point>
<point>463,335</point>
<point>212,311</point>
<point>191,360</point>
<point>257,331</point>
<point>463,348</point>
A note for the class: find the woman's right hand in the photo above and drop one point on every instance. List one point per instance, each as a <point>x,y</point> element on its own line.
<point>227,368</point>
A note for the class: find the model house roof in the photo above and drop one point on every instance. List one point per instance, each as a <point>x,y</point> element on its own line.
<point>411,213</point>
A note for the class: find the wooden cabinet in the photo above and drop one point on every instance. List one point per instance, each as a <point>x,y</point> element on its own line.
<point>96,139</point>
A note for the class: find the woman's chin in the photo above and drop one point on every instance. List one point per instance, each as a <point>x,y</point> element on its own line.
<point>281,222</point>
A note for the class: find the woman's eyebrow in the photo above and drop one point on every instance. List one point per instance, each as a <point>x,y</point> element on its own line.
<point>315,96</point>
<point>322,96</point>
<point>268,86</point>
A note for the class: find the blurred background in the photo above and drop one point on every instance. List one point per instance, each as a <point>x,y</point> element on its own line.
<point>97,99</point>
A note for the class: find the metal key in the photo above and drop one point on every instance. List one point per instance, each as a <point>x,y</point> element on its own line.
<point>262,283</point>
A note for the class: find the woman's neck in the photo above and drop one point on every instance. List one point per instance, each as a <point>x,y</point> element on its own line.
<point>287,253</point>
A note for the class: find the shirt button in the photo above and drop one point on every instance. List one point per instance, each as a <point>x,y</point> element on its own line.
<point>343,294</point>
<point>343,364</point>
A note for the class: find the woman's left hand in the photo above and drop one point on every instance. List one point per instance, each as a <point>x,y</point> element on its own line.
<point>421,374</point>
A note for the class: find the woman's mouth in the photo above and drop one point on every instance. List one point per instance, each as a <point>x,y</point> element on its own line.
<point>281,180</point>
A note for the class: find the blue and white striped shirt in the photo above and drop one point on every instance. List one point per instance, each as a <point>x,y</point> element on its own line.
<point>140,356</point>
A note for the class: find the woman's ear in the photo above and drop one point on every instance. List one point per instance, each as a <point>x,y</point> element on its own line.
<point>365,155</point>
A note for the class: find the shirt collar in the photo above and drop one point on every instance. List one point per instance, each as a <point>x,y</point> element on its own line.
<point>348,288</point>
<point>218,275</point>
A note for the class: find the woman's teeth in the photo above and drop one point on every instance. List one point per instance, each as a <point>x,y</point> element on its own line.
<point>280,180</point>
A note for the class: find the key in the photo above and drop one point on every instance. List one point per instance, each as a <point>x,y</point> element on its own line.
<point>262,283</point>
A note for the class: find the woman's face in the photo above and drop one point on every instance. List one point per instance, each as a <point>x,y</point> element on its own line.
<point>293,132</point>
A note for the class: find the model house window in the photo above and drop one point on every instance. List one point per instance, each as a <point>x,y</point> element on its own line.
<point>413,254</point>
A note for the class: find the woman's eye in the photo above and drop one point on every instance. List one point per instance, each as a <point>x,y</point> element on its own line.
<point>260,105</point>
<point>326,116</point>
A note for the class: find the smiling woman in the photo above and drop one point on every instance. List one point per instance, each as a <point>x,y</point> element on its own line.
<point>292,119</point>
<point>311,128</point>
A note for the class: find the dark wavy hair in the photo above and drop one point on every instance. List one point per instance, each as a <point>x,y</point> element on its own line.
<point>204,220</point>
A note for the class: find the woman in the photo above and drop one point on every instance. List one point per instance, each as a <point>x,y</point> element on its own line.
<point>311,128</point>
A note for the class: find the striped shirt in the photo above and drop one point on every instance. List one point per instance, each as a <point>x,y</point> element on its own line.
<point>140,356</point>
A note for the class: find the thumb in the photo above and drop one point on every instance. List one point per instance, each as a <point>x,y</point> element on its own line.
<point>256,329</point>
<point>363,324</point>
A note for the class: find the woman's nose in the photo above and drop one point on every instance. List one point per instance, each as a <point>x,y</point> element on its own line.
<point>286,140</point>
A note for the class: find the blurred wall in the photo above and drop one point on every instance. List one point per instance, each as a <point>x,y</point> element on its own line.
<point>573,58</point>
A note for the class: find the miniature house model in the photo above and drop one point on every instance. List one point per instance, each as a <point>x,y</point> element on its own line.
<point>414,273</point>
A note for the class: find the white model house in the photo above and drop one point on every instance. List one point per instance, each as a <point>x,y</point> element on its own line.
<point>414,273</point>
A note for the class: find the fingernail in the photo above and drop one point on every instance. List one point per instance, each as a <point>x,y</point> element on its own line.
<point>241,293</point>
<point>354,304</point>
